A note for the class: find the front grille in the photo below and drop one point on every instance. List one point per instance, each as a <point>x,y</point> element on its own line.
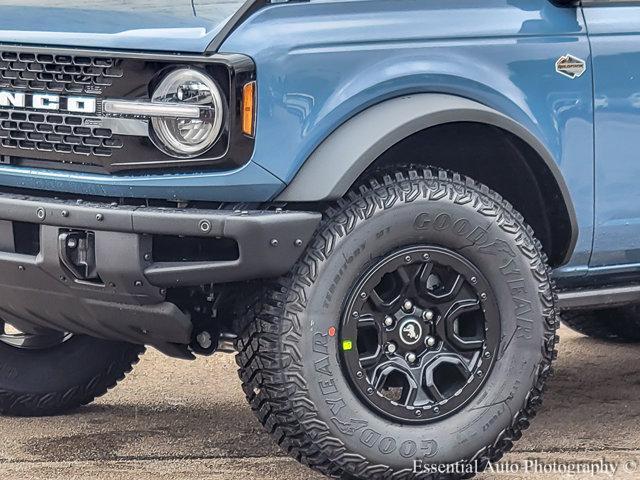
<point>42,126</point>
<point>55,133</point>
<point>57,73</point>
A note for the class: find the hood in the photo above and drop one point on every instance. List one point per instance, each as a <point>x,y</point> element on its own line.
<point>159,25</point>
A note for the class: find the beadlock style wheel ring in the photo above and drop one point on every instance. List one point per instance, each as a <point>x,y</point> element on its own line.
<point>29,341</point>
<point>419,334</point>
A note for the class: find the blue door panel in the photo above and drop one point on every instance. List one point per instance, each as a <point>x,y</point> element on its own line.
<point>615,41</point>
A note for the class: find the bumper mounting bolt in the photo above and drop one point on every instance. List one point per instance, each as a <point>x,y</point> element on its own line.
<point>147,257</point>
<point>204,340</point>
<point>298,243</point>
<point>41,214</point>
<point>99,217</point>
<point>21,268</point>
<point>274,242</point>
<point>205,226</point>
<point>65,213</point>
<point>138,283</point>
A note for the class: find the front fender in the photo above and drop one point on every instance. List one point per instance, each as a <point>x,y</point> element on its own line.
<point>336,164</point>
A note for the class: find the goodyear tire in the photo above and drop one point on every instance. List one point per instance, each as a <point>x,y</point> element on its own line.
<point>305,353</point>
<point>51,374</point>
<point>620,324</point>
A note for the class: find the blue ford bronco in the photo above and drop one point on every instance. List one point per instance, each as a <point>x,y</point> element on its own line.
<point>383,206</point>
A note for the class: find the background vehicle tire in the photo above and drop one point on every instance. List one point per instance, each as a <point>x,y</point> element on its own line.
<point>57,376</point>
<point>294,363</point>
<point>620,324</point>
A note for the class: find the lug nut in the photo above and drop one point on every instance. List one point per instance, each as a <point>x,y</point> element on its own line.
<point>430,341</point>
<point>411,357</point>
<point>407,306</point>
<point>388,321</point>
<point>428,315</point>
<point>391,347</point>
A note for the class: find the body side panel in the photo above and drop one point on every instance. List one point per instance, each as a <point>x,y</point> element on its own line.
<point>320,64</point>
<point>615,35</point>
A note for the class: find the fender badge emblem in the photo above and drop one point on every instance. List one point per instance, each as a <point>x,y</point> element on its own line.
<point>570,66</point>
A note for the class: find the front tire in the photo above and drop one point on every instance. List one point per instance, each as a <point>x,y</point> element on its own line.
<point>293,356</point>
<point>41,377</point>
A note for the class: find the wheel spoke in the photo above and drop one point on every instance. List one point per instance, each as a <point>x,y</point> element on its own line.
<point>463,332</point>
<point>447,295</point>
<point>409,275</point>
<point>380,304</point>
<point>445,376</point>
<point>410,388</point>
<point>370,335</point>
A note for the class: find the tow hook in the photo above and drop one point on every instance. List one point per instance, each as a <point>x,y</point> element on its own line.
<point>77,250</point>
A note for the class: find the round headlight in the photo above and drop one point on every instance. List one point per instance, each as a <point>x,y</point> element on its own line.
<point>188,137</point>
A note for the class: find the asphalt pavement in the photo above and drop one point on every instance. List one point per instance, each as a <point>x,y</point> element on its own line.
<point>177,420</point>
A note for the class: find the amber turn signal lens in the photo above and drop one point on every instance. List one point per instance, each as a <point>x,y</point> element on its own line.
<point>248,106</point>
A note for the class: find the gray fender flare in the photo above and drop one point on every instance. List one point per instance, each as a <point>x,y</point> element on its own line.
<point>345,154</point>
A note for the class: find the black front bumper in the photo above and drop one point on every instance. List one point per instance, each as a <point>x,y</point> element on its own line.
<point>126,298</point>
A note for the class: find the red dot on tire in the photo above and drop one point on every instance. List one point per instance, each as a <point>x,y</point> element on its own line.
<point>332,331</point>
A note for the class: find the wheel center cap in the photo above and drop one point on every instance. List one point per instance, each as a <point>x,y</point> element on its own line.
<point>410,331</point>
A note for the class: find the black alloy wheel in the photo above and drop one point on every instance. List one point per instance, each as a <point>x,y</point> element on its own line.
<point>419,334</point>
<point>31,341</point>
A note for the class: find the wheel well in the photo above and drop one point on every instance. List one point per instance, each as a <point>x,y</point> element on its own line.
<point>503,162</point>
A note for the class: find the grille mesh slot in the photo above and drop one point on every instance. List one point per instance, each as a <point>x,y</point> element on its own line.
<point>57,73</point>
<point>55,133</point>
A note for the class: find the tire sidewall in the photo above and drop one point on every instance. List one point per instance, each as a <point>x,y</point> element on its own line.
<point>484,233</point>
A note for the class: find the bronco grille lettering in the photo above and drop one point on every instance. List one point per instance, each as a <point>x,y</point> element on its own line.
<point>47,101</point>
